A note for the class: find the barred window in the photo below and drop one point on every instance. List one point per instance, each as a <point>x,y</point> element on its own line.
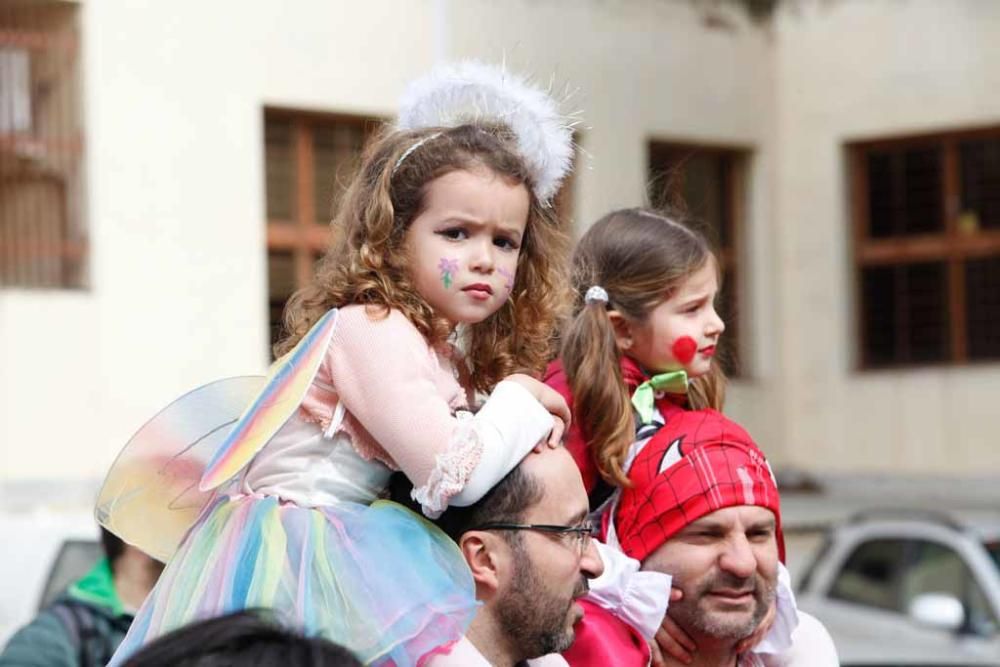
<point>927,248</point>
<point>708,184</point>
<point>43,237</point>
<point>309,160</point>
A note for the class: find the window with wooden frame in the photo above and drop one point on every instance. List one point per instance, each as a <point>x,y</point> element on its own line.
<point>706,183</point>
<point>309,160</point>
<point>43,238</point>
<point>926,215</point>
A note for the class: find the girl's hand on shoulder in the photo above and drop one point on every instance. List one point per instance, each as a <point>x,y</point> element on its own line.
<point>765,626</point>
<point>671,640</point>
<point>551,400</point>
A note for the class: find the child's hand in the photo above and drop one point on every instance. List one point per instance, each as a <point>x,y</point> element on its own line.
<point>551,400</point>
<point>555,436</point>
<point>670,639</point>
<point>758,635</point>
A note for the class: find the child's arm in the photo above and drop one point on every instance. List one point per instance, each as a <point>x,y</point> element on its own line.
<point>779,636</point>
<point>639,597</point>
<point>387,378</point>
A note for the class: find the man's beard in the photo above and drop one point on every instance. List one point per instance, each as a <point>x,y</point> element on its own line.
<point>690,613</point>
<point>534,620</point>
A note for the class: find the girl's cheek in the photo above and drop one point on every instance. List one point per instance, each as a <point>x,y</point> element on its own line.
<point>447,268</point>
<point>508,279</point>
<point>683,349</point>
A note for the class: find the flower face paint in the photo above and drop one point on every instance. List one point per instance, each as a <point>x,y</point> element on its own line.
<point>448,269</point>
<point>472,225</point>
<point>508,279</point>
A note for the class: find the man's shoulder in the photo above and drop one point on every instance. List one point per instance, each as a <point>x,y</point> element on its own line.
<point>460,654</point>
<point>603,639</point>
<point>812,646</point>
<point>43,641</point>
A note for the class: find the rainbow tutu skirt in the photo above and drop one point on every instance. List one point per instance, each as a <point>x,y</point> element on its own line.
<point>377,579</point>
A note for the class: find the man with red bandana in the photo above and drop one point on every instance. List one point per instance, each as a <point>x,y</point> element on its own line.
<point>703,506</point>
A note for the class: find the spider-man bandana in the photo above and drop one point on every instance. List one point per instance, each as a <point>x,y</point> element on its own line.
<point>697,463</point>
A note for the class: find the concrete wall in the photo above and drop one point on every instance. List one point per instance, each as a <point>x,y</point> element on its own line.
<point>847,71</point>
<point>174,150</point>
<point>174,95</point>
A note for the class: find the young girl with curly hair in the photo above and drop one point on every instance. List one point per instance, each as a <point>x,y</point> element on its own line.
<point>444,284</point>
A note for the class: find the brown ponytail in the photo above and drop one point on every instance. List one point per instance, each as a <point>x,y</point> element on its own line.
<point>640,258</point>
<point>592,362</point>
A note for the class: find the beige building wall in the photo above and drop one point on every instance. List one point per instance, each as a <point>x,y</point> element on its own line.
<point>847,71</point>
<point>174,94</point>
<point>174,99</point>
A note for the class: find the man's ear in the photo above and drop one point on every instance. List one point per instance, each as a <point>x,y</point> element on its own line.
<point>623,329</point>
<point>482,554</point>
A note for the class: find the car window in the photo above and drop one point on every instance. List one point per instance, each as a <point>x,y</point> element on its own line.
<point>936,568</point>
<point>871,575</point>
<point>933,568</point>
<point>993,549</point>
<point>74,559</point>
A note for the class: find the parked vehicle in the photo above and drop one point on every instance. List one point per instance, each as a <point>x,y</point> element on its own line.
<point>73,560</point>
<point>908,588</point>
<point>43,552</point>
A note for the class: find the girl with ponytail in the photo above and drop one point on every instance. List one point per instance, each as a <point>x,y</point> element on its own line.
<point>644,316</point>
<point>639,348</point>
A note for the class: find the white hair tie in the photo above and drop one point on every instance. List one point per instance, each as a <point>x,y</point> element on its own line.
<point>595,294</point>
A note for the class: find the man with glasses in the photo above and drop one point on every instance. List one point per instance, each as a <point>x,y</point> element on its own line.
<point>527,543</point>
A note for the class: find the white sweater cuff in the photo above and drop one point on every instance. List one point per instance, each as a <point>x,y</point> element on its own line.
<point>510,424</point>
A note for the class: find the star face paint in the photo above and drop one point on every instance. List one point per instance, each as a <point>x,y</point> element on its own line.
<point>448,269</point>
<point>684,349</point>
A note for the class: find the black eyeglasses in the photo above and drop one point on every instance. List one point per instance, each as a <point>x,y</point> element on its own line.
<point>581,533</point>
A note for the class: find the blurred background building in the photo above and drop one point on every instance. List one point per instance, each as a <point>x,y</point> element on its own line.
<point>167,170</point>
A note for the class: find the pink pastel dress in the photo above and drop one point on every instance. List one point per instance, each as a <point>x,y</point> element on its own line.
<point>291,519</point>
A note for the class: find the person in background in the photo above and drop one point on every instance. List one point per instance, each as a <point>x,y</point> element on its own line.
<point>241,638</point>
<point>85,624</point>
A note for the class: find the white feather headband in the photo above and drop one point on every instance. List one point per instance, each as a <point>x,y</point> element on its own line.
<point>474,93</point>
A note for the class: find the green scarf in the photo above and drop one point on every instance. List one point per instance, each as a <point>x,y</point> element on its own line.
<point>644,398</point>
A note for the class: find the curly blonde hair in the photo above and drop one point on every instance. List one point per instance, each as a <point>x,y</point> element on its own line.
<point>640,257</point>
<point>368,262</point>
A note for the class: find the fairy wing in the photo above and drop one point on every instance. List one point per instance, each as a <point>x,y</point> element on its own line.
<point>150,496</point>
<point>287,383</point>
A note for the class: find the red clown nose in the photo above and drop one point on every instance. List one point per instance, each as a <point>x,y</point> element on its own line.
<point>683,349</point>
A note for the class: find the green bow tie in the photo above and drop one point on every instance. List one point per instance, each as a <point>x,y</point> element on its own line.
<point>643,400</point>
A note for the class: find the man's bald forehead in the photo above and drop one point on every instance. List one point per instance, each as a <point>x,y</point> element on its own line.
<point>549,462</point>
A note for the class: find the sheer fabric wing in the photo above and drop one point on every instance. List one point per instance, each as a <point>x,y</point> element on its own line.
<point>150,496</point>
<point>287,384</point>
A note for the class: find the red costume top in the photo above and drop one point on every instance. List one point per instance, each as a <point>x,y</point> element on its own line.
<point>576,443</point>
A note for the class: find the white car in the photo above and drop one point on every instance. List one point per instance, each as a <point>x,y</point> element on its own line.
<point>908,588</point>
